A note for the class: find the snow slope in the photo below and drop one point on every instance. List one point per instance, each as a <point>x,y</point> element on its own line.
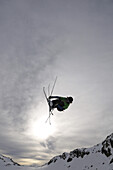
<point>99,157</point>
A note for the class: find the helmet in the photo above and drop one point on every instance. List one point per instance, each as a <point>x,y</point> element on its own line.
<point>70,99</point>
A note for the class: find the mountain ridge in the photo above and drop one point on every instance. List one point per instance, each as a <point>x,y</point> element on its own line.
<point>99,157</point>
<point>7,161</point>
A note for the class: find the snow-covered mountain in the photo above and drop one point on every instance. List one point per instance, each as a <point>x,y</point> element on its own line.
<point>6,161</point>
<point>99,157</point>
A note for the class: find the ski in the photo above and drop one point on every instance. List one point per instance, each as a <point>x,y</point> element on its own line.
<point>47,99</point>
<point>50,110</point>
<point>53,86</point>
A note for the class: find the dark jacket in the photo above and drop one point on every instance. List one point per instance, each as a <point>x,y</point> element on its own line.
<point>61,103</point>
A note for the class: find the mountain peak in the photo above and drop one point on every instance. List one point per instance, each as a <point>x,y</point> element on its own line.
<point>7,161</point>
<point>99,156</point>
<point>107,146</point>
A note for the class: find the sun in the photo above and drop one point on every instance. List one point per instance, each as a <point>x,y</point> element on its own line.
<point>37,127</point>
<point>42,130</point>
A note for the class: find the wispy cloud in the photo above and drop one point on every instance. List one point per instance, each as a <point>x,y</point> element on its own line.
<point>38,40</point>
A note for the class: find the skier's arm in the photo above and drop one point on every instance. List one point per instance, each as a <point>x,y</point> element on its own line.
<point>54,97</point>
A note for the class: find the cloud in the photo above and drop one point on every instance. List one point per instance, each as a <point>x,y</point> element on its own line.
<point>49,144</point>
<point>70,39</point>
<point>26,63</point>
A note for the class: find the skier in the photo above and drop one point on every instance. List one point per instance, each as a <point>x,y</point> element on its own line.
<point>61,103</point>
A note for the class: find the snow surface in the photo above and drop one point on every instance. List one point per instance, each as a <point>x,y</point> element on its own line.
<point>99,157</point>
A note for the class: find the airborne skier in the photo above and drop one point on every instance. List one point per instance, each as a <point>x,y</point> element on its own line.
<point>61,103</point>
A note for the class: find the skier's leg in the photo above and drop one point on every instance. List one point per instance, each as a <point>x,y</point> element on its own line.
<point>50,103</point>
<point>55,103</point>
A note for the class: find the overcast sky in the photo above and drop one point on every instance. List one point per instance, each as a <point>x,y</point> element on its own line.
<point>42,39</point>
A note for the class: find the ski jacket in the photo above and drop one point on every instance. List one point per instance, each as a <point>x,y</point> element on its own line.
<point>63,102</point>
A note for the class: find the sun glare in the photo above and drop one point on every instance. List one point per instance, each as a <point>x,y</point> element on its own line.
<point>42,130</point>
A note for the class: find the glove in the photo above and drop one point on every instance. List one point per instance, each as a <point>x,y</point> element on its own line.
<point>49,97</point>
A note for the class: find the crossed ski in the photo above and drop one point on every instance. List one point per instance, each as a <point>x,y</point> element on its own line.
<point>47,98</point>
